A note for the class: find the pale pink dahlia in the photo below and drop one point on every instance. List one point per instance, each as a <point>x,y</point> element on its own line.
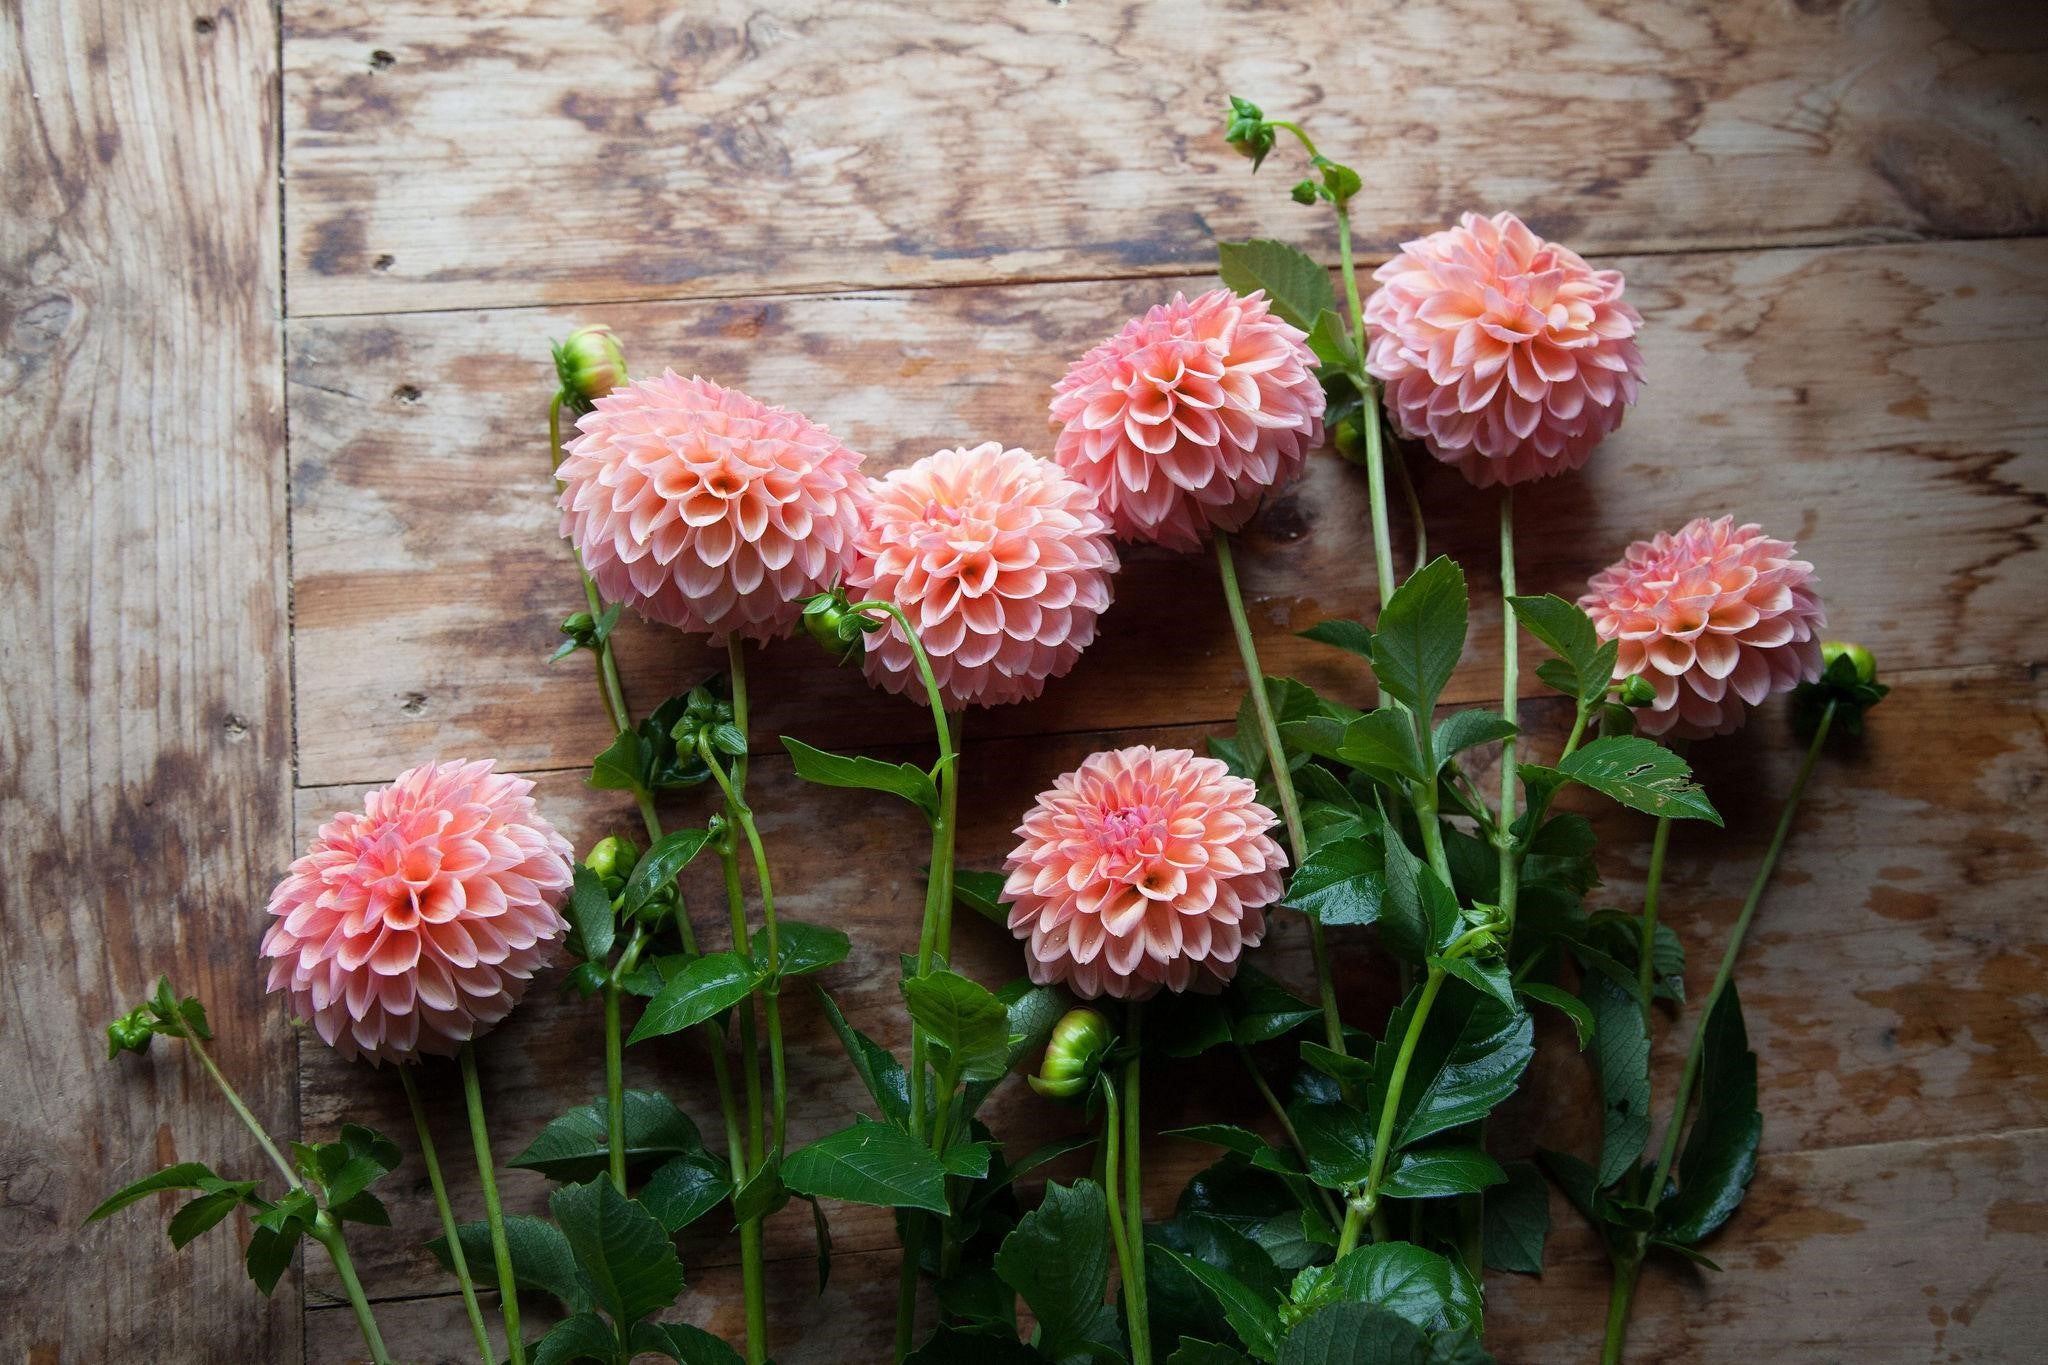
<point>1000,561</point>
<point>1143,868</point>
<point>706,509</point>
<point>1508,356</point>
<point>1185,419</point>
<point>415,925</point>
<point>1716,618</point>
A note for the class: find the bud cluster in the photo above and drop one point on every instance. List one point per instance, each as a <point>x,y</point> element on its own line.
<point>1848,682</point>
<point>831,620</point>
<point>708,717</point>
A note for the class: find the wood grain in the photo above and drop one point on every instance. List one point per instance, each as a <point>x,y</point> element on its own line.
<point>733,148</point>
<point>1881,405</point>
<point>1881,1008</point>
<point>145,755</point>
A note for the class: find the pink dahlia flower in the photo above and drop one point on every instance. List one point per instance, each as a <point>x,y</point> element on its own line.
<point>1000,561</point>
<point>1508,356</point>
<point>1185,419</point>
<point>1716,618</point>
<point>415,925</point>
<point>1143,868</point>
<point>706,509</point>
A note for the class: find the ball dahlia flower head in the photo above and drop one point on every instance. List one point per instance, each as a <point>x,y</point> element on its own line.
<point>1143,868</point>
<point>708,510</point>
<point>999,560</point>
<point>1715,618</point>
<point>1182,422</point>
<point>413,926</point>
<point>1506,355</point>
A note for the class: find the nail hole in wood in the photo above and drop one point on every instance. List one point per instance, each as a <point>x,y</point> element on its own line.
<point>386,262</point>
<point>407,394</point>
<point>382,60</point>
<point>202,26</point>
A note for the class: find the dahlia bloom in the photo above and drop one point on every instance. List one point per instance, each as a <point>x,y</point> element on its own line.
<point>1715,618</point>
<point>415,926</point>
<point>706,509</point>
<point>1000,561</point>
<point>1184,420</point>
<point>1143,868</point>
<point>1508,356</point>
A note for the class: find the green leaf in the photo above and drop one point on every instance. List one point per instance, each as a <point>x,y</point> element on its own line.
<point>1419,914</point>
<point>1471,1052</point>
<point>353,1162</point>
<point>1686,1253</point>
<point>541,1257</point>
<point>297,1206</point>
<point>1573,1007</point>
<point>574,1147</point>
<point>1516,1220</point>
<point>1641,775</point>
<point>681,1342</point>
<point>270,1255</point>
<point>205,1211</point>
<point>1488,977</point>
<point>658,869</point>
<point>1057,1259</point>
<point>1352,636</point>
<point>1421,634</point>
<point>1341,883</point>
<point>804,948</point>
<point>592,927</point>
<point>1338,1139</point>
<point>1331,340</point>
<point>622,1250</point>
<point>1383,741</point>
<point>363,1208</point>
<point>968,1159</point>
<point>617,768</point>
<point>965,1018</point>
<point>1462,730</point>
<point>1340,1067</point>
<point>1261,1206</point>
<point>1354,1334</point>
<point>1195,1352</point>
<point>1621,1054</point>
<point>709,986</point>
<point>1434,1172</point>
<point>1260,1009</point>
<point>1412,1283</point>
<point>682,1190</point>
<point>186,1175</point>
<point>959,1346</point>
<point>586,1336</point>
<point>876,1066</point>
<point>1297,287</point>
<point>763,1193</point>
<point>1584,666</point>
<point>982,892</point>
<point>1255,1320</point>
<point>869,1163</point>
<point>1719,1157</point>
<point>906,780</point>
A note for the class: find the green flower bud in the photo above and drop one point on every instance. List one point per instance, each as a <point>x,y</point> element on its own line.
<point>612,859</point>
<point>1073,1054</point>
<point>130,1033</point>
<point>1349,436</point>
<point>1636,691</point>
<point>590,364</point>
<point>830,620</point>
<point>708,714</point>
<point>1860,659</point>
<point>1247,130</point>
<point>1304,192</point>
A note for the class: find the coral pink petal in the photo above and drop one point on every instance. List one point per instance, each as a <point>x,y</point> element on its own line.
<point>1506,355</point>
<point>1717,617</point>
<point>1182,422</point>
<point>1143,868</point>
<point>413,927</point>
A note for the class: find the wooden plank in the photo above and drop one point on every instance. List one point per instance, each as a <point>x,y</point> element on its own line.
<point>1879,404</point>
<point>146,749</point>
<point>1907,1251</point>
<point>1889,990</point>
<point>514,152</point>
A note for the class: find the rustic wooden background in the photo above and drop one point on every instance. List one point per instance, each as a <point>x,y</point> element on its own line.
<point>278,284</point>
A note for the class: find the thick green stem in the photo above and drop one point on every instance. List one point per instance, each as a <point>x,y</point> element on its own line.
<point>234,1099</point>
<point>431,1158</point>
<point>494,1213</point>
<point>1510,689</point>
<point>1283,778</point>
<point>327,1232</point>
<point>1646,961</point>
<point>750,1052</point>
<point>738,810</point>
<point>1134,1191</point>
<point>1623,1293</point>
<point>1376,489</point>
<point>1119,1228</point>
<point>1383,1140</point>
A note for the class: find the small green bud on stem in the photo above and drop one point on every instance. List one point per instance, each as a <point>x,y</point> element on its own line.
<point>130,1033</point>
<point>1848,681</point>
<point>1860,659</point>
<point>831,620</point>
<point>590,364</point>
<point>1635,691</point>
<point>1073,1055</point>
<point>1247,130</point>
<point>613,859</point>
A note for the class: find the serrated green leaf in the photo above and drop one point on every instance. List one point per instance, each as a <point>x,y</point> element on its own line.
<point>1352,636</point>
<point>682,1343</point>
<point>1298,288</point>
<point>592,925</point>
<point>876,1066</point>
<point>906,780</point>
<point>1419,915</point>
<point>1251,1316</point>
<point>270,1255</point>
<point>709,986</point>
<point>541,1257</point>
<point>354,1161</point>
<point>965,1018</point>
<point>1421,635</point>
<point>1573,1007</point>
<point>623,1252</point>
<point>1354,1334</point>
<point>1462,730</point>
<point>1471,1052</point>
<point>1260,1009</point>
<point>968,1159</point>
<point>658,869</point>
<point>1225,1135</point>
<point>618,767</point>
<point>1621,1055</point>
<point>1332,342</point>
<point>583,1337</point>
<point>1057,1259</point>
<point>763,1193</point>
<point>186,1175</point>
<point>1641,775</point>
<point>1488,977</point>
<point>1516,1220</point>
<point>1338,1139</point>
<point>684,1189</point>
<point>1383,741</point>
<point>1719,1157</point>
<point>204,1212</point>
<point>363,1208</point>
<point>982,892</point>
<point>574,1147</point>
<point>1435,1172</point>
<point>1409,1281</point>
<point>804,948</point>
<point>1343,1068</point>
<point>869,1163</point>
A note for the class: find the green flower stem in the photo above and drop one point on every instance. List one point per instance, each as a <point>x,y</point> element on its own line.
<point>750,1053</point>
<point>494,1213</point>
<point>448,1227</point>
<point>1652,885</point>
<point>1283,778</point>
<point>907,1282</point>
<point>607,664</point>
<point>1626,1272</point>
<point>737,808</point>
<point>1128,1273</point>
<point>1287,1129</point>
<point>1510,698</point>
<point>1134,1191</point>
<point>1734,950</point>
<point>326,1230</point>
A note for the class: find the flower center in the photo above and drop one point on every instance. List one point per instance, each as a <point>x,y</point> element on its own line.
<point>1124,830</point>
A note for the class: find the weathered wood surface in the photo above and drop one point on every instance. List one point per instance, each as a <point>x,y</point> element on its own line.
<point>1881,1009</point>
<point>1881,405</point>
<point>145,756</point>
<point>661,151</point>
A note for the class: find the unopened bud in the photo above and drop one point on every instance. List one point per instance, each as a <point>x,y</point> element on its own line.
<point>1848,683</point>
<point>1349,436</point>
<point>1247,130</point>
<point>1304,192</point>
<point>579,625</point>
<point>130,1033</point>
<point>1073,1054</point>
<point>1861,661</point>
<point>612,859</point>
<point>1636,691</point>
<point>590,364</point>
